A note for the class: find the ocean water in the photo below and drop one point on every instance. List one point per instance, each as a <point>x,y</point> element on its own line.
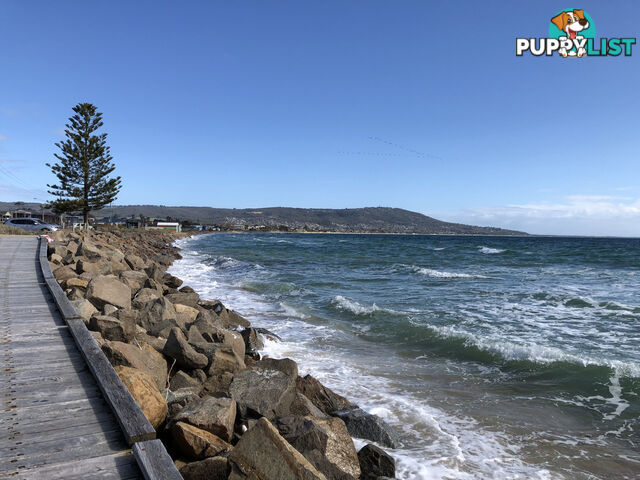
<point>492,357</point>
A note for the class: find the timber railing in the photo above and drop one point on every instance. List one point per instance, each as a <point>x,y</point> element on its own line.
<point>151,456</point>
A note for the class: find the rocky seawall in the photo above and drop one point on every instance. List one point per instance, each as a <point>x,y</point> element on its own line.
<point>194,366</point>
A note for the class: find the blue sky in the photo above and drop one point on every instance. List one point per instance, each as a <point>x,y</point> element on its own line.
<point>325,104</point>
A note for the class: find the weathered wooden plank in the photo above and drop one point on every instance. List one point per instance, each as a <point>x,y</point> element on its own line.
<point>154,461</point>
<point>81,409</point>
<point>26,426</point>
<point>86,447</point>
<point>122,466</point>
<point>134,424</point>
<point>18,439</point>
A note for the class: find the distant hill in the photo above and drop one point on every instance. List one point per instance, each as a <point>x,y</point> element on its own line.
<point>369,220</point>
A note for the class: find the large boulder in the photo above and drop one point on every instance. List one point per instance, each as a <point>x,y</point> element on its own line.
<point>84,308</point>
<point>197,443</point>
<point>216,468</point>
<point>156,313</point>
<point>376,463</point>
<point>221,357</point>
<point>324,442</point>
<point>143,297</point>
<point>134,261</point>
<point>94,267</point>
<point>188,299</point>
<point>178,348</point>
<point>181,380</point>
<point>322,397</point>
<point>303,407</point>
<point>144,390</point>
<point>285,365</point>
<point>190,314</point>
<point>62,274</point>
<point>144,358</point>
<point>107,289</point>
<point>252,341</point>
<point>171,281</point>
<point>89,250</point>
<point>134,279</point>
<point>361,424</point>
<point>112,328</point>
<point>262,454</point>
<point>267,393</point>
<point>215,415</point>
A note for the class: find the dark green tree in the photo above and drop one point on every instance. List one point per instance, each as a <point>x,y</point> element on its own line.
<point>84,166</point>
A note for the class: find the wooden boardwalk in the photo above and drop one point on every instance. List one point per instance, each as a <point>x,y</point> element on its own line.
<point>54,421</point>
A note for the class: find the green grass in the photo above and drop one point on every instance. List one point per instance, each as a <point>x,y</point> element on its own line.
<point>7,230</point>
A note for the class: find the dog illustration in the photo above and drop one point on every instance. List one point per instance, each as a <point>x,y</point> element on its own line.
<point>571,23</point>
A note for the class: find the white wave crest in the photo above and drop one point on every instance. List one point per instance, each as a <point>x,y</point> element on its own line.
<point>429,272</point>
<point>342,303</point>
<point>532,352</point>
<point>489,250</point>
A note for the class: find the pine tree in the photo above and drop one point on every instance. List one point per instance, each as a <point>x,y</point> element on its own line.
<point>84,166</point>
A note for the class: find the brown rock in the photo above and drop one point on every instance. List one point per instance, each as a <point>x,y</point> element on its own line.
<point>197,443</point>
<point>263,454</point>
<point>107,289</point>
<point>215,415</point>
<point>112,329</point>
<point>188,299</point>
<point>144,390</point>
<point>134,279</point>
<point>144,358</point>
<point>77,282</point>
<point>322,397</point>
<point>62,274</point>
<point>84,308</point>
<point>184,354</point>
<point>268,393</point>
<point>216,468</point>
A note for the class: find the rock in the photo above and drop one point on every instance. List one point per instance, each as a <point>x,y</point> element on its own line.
<point>194,336</point>
<point>155,313</point>
<point>339,461</point>
<point>184,354</point>
<point>62,274</point>
<point>322,397</point>
<point>284,365</point>
<point>324,442</point>
<point>134,279</point>
<point>252,341</point>
<point>93,268</point>
<point>190,313</point>
<point>134,261</point>
<point>177,399</point>
<point>376,463</point>
<point>89,250</point>
<point>112,329</point>
<point>267,393</point>
<point>218,383</point>
<point>215,415</point>
<point>77,282</point>
<point>187,289</point>
<point>143,297</point>
<point>303,407</point>
<point>216,468</point>
<point>209,326</point>
<point>182,380</point>
<point>171,281</point>
<point>361,424</point>
<point>221,358</point>
<point>144,390</point>
<point>189,299</point>
<point>55,259</point>
<point>263,454</point>
<point>197,443</point>
<point>84,308</point>
<point>111,310</point>
<point>106,289</point>
<point>144,358</point>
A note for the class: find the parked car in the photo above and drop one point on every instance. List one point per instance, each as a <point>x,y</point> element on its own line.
<point>32,225</point>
